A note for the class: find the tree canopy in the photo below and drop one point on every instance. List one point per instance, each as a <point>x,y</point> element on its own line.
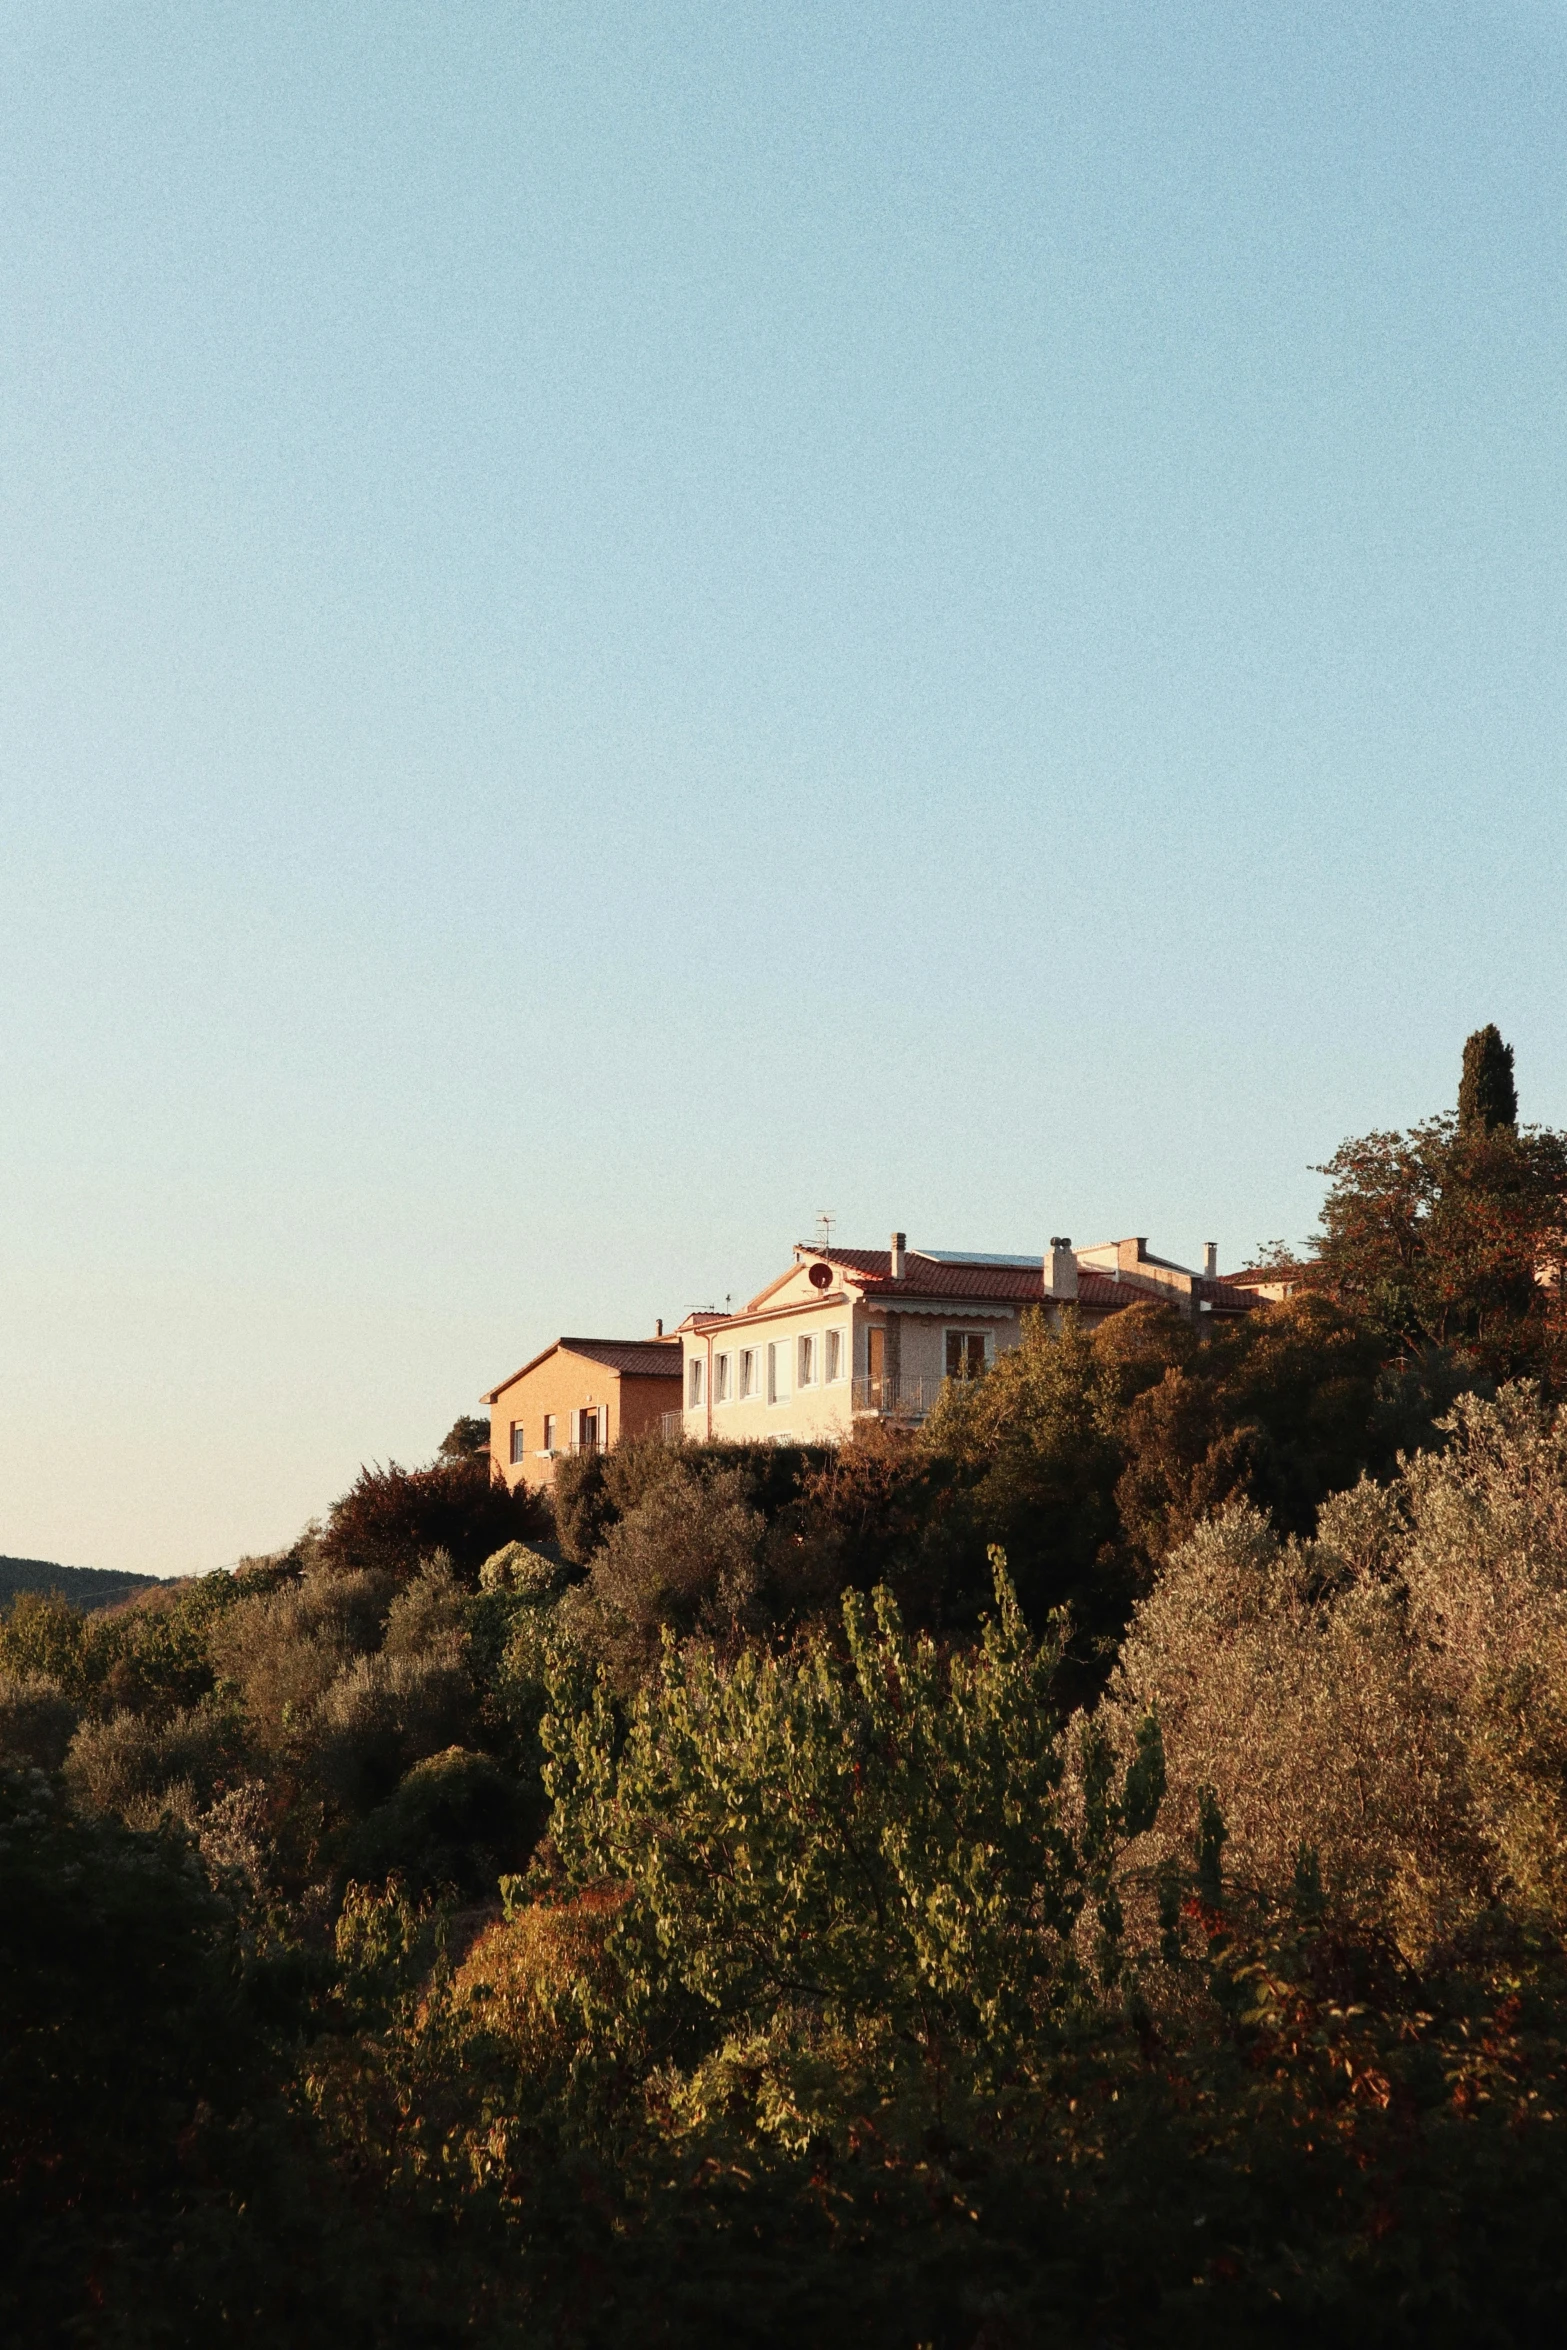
<point>1454,1233</point>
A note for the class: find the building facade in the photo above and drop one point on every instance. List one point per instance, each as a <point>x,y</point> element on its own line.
<point>850,1334</point>
<point>580,1395</point>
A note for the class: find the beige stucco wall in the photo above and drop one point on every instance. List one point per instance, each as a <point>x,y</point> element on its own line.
<point>566,1383</point>
<point>819,1413</point>
<point>823,1412</point>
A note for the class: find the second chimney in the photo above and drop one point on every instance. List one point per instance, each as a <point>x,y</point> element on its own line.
<point>899,1244</point>
<point>1210,1259</point>
<point>1061,1270</point>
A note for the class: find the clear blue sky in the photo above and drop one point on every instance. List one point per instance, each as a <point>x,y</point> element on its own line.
<point>619,624</point>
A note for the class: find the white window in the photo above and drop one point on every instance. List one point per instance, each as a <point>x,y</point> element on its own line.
<point>748,1371</point>
<point>694,1381</point>
<point>722,1372</point>
<point>778,1371</point>
<point>833,1368</point>
<point>519,1451</point>
<point>806,1371</point>
<point>549,1431</point>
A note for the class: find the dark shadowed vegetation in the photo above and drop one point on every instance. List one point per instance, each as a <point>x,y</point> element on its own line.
<point>84,1587</point>
<point>1088,1873</point>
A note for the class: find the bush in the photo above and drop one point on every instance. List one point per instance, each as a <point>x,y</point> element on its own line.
<point>593,1491</point>
<point>381,1715</point>
<point>686,1560</point>
<point>121,2025</point>
<point>37,1720</point>
<point>153,1655</point>
<point>42,1637</point>
<point>530,1573</point>
<point>428,1613</point>
<point>282,1648</point>
<point>1282,1410</point>
<point>124,1766</point>
<point>393,1518</point>
<point>456,1821</point>
<point>876,1842</point>
<point>1391,1696</point>
<point>1037,1449</point>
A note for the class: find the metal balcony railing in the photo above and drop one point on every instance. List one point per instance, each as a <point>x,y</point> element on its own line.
<point>892,1397</point>
<point>672,1427</point>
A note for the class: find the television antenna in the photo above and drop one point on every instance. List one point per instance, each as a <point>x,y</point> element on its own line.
<point>826,1218</point>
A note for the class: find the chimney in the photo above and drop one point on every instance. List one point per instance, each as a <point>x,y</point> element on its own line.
<point>1061,1271</point>
<point>899,1243</point>
<point>658,1327</point>
<point>1210,1259</point>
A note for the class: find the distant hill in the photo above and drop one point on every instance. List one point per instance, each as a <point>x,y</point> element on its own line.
<point>88,1587</point>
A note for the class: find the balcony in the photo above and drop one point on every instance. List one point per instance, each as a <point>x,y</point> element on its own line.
<point>892,1397</point>
<point>672,1427</point>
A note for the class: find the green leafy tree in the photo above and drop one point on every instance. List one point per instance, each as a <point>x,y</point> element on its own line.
<point>1440,1238</point>
<point>467,1434</point>
<point>1037,1448</point>
<point>875,1842</point>
<point>42,1637</point>
<point>1283,1409</point>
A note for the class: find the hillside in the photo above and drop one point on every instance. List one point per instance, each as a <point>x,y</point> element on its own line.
<point>84,1587</point>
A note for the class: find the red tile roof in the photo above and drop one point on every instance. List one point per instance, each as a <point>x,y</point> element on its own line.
<point>633,1358</point>
<point>1007,1284</point>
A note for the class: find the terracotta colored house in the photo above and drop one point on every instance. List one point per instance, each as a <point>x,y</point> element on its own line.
<point>846,1334</point>
<point>580,1395</point>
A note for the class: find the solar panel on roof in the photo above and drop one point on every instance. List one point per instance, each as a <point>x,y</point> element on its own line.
<point>969,1256</point>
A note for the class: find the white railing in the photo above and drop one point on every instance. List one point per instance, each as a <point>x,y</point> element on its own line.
<point>672,1427</point>
<point>892,1397</point>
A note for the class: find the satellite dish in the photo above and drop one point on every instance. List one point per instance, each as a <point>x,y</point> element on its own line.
<point>821,1276</point>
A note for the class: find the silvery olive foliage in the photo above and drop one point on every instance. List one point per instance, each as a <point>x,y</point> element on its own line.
<point>1391,1696</point>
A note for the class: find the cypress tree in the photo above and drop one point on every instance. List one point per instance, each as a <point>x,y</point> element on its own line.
<point>1487,1096</point>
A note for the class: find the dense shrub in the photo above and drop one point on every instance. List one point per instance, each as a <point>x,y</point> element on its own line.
<point>1036,1446</point>
<point>151,1654</point>
<point>1282,1411</point>
<point>282,1648</point>
<point>1392,1695</point>
<point>800,2044</point>
<point>877,1836</point>
<point>44,1638</point>
<point>37,1720</point>
<point>392,1518</point>
<point>384,1713</point>
<point>456,1821</point>
<point>130,1767</point>
<point>122,2022</point>
<point>431,1612</point>
<point>519,1567</point>
<point>593,1491</point>
<point>686,1559</point>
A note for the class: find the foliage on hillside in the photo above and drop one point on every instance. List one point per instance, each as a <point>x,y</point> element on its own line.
<point>84,1587</point>
<point>1090,1873</point>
